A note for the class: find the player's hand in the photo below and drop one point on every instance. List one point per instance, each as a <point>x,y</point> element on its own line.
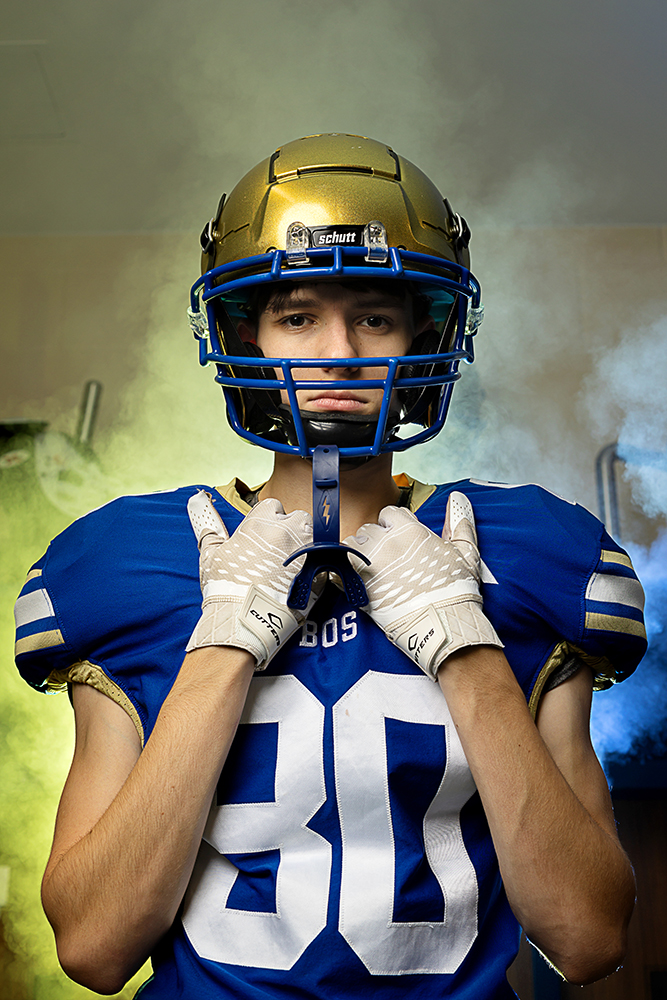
<point>424,590</point>
<point>243,580</point>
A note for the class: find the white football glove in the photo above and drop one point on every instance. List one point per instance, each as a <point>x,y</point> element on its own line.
<point>424,590</point>
<point>243,580</point>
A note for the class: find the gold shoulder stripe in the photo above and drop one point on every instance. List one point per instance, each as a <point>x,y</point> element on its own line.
<point>33,574</point>
<point>611,623</point>
<point>40,640</point>
<point>619,558</point>
<point>85,672</point>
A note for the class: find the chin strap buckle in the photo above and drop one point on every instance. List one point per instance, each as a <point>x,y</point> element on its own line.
<point>297,243</point>
<point>326,554</point>
<point>375,241</point>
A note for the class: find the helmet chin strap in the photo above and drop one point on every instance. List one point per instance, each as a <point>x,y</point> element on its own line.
<point>326,554</point>
<point>329,431</point>
<point>341,430</point>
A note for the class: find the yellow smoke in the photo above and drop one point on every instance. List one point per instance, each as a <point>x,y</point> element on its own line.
<point>167,429</point>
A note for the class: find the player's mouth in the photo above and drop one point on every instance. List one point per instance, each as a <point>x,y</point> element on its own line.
<point>336,400</point>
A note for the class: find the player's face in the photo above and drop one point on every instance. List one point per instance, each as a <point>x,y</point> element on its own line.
<point>327,320</point>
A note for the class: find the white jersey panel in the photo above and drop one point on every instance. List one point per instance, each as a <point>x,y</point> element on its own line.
<point>368,876</point>
<point>268,940</point>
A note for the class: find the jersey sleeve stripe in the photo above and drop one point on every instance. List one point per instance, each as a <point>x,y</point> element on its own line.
<point>39,640</point>
<point>32,607</point>
<point>618,558</point>
<point>612,623</point>
<point>611,589</point>
<point>33,574</point>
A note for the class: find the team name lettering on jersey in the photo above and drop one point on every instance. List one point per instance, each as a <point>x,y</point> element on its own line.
<point>331,632</point>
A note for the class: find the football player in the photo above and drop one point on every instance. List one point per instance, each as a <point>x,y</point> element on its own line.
<point>362,792</point>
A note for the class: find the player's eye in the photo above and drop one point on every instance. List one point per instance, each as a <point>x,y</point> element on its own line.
<point>294,321</point>
<point>376,322</point>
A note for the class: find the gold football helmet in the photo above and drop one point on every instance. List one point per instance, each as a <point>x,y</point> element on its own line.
<point>336,208</point>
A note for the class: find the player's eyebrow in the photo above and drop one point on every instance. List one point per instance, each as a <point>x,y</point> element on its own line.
<point>294,301</point>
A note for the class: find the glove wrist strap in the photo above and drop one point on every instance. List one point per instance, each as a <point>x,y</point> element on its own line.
<point>260,625</point>
<point>437,633</point>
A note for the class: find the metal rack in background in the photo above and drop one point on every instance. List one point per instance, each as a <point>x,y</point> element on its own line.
<point>62,468</point>
<point>605,475</point>
<point>606,465</point>
<point>90,403</point>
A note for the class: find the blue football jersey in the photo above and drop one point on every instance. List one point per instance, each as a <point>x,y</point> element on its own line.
<point>346,850</point>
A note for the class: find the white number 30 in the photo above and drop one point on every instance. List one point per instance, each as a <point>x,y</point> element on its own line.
<point>276,940</point>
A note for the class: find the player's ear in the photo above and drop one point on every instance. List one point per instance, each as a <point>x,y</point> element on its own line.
<point>427,323</point>
<point>247,331</point>
<point>422,342</point>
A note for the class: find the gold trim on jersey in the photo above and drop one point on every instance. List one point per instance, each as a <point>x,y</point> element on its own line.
<point>32,575</point>
<point>420,491</point>
<point>232,492</point>
<point>559,654</point>
<point>562,651</point>
<point>85,672</point>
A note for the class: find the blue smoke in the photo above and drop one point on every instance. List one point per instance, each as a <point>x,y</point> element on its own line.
<point>631,718</point>
<point>629,402</point>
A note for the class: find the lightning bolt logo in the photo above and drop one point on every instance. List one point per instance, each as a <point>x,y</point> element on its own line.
<point>326,507</point>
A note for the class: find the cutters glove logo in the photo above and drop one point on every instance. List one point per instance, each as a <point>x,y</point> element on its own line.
<point>271,622</point>
<point>415,646</point>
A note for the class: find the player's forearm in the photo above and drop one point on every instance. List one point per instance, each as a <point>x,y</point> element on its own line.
<point>117,891</point>
<point>567,879</point>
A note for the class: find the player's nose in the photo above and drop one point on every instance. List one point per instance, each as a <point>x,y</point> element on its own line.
<point>339,341</point>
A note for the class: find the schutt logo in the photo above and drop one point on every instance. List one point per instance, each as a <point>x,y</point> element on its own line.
<point>327,236</point>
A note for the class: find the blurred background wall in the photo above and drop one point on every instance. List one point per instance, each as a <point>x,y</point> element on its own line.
<point>120,126</point>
